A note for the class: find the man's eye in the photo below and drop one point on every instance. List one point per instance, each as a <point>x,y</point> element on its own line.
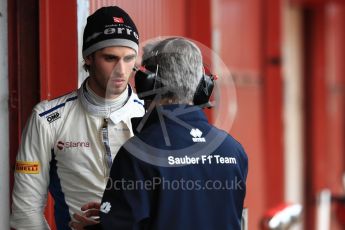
<point>129,58</point>
<point>110,58</point>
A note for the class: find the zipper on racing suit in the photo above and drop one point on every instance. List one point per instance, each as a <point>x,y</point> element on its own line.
<point>106,143</point>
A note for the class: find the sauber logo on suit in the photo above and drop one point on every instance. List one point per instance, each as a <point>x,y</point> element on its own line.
<point>72,144</point>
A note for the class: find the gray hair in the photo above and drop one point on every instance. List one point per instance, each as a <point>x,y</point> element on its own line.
<point>179,65</point>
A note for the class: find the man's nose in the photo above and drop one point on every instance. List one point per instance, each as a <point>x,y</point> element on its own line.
<point>119,67</point>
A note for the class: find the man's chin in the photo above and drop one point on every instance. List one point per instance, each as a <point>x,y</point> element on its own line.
<point>113,93</point>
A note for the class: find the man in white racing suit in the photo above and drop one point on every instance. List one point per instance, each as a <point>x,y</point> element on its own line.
<point>69,143</point>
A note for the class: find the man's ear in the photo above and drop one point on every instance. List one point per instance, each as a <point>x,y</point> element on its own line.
<point>88,60</point>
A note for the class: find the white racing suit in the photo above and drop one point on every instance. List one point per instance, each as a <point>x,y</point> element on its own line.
<point>64,150</point>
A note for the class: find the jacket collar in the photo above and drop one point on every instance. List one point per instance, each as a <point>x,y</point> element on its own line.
<point>170,113</point>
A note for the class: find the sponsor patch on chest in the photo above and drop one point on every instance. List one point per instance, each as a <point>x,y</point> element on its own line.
<point>53,117</point>
<point>61,145</point>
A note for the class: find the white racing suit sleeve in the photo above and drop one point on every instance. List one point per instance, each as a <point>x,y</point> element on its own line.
<point>32,176</point>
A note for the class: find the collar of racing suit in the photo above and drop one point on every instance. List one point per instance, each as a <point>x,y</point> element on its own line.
<point>102,109</point>
<point>111,104</point>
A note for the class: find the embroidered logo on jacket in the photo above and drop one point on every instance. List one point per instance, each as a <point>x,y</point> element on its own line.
<point>196,134</point>
<point>105,207</point>
<point>53,117</point>
<point>72,144</point>
<point>27,167</point>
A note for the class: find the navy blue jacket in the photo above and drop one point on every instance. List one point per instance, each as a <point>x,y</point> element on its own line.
<point>177,172</point>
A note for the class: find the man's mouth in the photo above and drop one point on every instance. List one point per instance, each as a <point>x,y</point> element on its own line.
<point>117,81</point>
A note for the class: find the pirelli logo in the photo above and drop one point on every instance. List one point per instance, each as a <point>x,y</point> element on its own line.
<point>28,167</point>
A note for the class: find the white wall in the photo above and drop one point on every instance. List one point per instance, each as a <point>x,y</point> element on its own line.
<point>4,130</point>
<point>293,107</point>
<point>83,11</point>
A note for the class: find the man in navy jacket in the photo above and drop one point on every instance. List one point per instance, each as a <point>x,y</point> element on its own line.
<point>178,171</point>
